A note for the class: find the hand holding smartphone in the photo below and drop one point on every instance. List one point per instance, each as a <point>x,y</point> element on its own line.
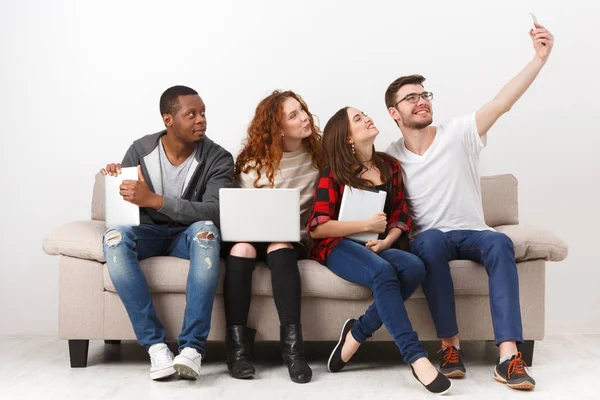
<point>535,22</point>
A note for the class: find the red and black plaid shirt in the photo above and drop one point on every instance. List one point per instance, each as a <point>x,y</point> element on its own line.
<point>328,198</point>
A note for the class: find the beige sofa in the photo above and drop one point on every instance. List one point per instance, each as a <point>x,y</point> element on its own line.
<point>89,307</point>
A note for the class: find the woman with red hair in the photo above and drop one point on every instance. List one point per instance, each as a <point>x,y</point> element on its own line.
<point>282,150</point>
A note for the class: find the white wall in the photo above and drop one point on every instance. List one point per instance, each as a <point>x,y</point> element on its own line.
<point>81,80</point>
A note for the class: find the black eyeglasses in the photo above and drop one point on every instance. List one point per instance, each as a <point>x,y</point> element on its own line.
<point>415,97</point>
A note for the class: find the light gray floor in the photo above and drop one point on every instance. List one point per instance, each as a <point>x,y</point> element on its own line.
<point>564,367</point>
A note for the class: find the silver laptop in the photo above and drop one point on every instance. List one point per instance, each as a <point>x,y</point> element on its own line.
<point>118,211</point>
<point>357,205</point>
<point>260,215</point>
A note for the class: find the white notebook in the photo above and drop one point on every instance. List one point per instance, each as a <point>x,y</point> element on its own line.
<point>118,211</point>
<point>358,204</point>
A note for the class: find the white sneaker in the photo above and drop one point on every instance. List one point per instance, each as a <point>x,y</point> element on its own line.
<point>187,363</point>
<point>161,361</point>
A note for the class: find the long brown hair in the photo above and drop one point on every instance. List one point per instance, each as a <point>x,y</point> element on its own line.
<point>264,145</point>
<point>344,165</point>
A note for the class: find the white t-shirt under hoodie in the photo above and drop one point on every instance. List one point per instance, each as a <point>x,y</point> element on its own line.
<point>442,187</point>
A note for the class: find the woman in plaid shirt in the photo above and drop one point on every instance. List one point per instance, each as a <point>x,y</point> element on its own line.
<point>392,274</point>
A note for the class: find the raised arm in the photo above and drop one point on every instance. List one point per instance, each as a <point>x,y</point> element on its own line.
<point>486,116</point>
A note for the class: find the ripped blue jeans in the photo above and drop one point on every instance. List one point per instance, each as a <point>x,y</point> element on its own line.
<point>125,246</point>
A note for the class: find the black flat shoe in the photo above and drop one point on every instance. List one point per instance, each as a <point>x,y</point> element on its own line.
<point>440,385</point>
<point>335,363</point>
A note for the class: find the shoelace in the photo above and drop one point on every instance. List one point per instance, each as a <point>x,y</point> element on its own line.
<point>517,366</point>
<point>452,356</point>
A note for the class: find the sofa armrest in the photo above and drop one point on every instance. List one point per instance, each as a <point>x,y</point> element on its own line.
<point>533,243</point>
<point>79,239</point>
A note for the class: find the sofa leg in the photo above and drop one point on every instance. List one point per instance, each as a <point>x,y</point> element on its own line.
<point>112,342</point>
<point>78,352</point>
<point>526,350</point>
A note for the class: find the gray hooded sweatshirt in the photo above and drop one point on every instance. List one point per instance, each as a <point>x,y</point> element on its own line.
<point>211,170</point>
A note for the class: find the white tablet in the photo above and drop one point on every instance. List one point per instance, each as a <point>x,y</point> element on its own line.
<point>118,211</point>
<point>357,205</point>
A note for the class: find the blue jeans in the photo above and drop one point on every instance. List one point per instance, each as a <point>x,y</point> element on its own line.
<point>125,246</point>
<point>393,275</point>
<point>492,249</point>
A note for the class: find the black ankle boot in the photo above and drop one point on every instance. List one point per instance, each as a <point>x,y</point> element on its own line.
<point>292,349</point>
<point>240,343</point>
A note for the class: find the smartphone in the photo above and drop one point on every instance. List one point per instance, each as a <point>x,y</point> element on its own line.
<point>535,21</point>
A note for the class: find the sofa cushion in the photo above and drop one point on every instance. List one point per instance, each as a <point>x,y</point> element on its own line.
<point>169,275</point>
<point>533,243</point>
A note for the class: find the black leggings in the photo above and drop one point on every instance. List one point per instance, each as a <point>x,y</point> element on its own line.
<point>285,279</point>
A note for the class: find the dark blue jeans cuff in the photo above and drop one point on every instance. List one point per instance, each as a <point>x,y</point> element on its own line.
<point>446,336</point>
<point>357,334</point>
<point>415,357</point>
<point>518,339</point>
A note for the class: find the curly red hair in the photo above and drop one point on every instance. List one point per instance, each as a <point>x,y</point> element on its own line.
<point>263,146</point>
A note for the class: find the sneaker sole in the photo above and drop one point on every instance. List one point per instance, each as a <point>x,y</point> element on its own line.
<point>455,374</point>
<point>337,345</point>
<point>186,369</point>
<point>162,373</point>
<point>519,386</point>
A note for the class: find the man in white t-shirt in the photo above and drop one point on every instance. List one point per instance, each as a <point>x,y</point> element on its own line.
<point>443,193</point>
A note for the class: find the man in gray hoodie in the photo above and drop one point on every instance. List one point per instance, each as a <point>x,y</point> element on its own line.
<point>180,172</point>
